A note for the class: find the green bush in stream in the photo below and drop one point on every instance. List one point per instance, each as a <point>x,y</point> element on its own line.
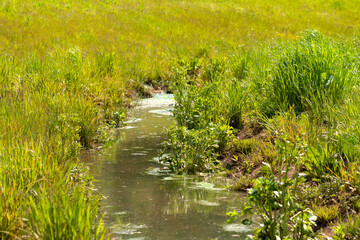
<point>204,115</point>
<point>310,73</point>
<point>196,150</point>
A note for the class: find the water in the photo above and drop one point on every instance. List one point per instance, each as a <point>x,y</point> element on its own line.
<point>149,202</point>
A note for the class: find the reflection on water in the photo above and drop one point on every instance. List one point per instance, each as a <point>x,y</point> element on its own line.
<point>151,203</point>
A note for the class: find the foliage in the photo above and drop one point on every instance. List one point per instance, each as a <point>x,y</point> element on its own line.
<point>203,114</point>
<point>244,146</point>
<point>326,214</point>
<point>196,150</point>
<point>274,201</point>
<point>311,73</point>
<point>52,107</point>
<point>67,216</point>
<point>349,230</point>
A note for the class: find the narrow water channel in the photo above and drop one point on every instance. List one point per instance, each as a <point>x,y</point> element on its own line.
<point>153,204</point>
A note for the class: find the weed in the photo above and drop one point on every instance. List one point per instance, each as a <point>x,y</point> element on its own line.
<point>244,146</point>
<point>349,230</point>
<point>326,214</point>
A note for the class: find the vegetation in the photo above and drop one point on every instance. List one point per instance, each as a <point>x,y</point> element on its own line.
<point>296,107</point>
<point>70,69</point>
<point>53,107</point>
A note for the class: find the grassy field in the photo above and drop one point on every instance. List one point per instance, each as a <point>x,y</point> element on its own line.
<point>148,36</point>
<point>70,69</point>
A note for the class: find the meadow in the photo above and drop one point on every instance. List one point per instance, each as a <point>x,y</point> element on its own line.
<point>69,70</point>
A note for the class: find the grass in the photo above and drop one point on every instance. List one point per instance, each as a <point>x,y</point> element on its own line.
<point>312,73</point>
<point>52,109</point>
<point>70,69</point>
<point>147,36</point>
<point>298,99</point>
<point>349,230</point>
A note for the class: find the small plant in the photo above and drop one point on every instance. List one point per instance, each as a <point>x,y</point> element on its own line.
<point>349,230</point>
<point>273,199</point>
<point>281,217</point>
<point>326,214</point>
<point>118,118</point>
<point>244,146</point>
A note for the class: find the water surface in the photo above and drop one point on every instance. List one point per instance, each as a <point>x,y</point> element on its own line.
<point>149,202</point>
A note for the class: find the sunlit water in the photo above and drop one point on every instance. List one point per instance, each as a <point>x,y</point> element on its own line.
<point>153,204</point>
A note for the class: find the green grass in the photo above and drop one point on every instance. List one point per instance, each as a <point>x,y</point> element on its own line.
<point>147,36</point>
<point>52,108</point>
<point>312,73</point>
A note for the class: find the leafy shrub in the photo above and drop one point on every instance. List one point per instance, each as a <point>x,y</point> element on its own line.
<point>196,150</point>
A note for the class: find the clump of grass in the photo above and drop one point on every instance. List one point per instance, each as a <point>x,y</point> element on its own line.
<point>241,183</point>
<point>69,215</point>
<point>235,100</point>
<point>326,214</point>
<point>244,146</point>
<point>311,73</point>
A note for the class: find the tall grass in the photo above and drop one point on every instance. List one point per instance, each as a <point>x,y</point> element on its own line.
<point>52,107</point>
<point>312,73</point>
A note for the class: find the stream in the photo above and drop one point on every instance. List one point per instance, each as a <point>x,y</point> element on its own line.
<point>145,202</point>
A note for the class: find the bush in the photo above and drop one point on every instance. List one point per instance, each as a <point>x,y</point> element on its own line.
<point>196,150</point>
